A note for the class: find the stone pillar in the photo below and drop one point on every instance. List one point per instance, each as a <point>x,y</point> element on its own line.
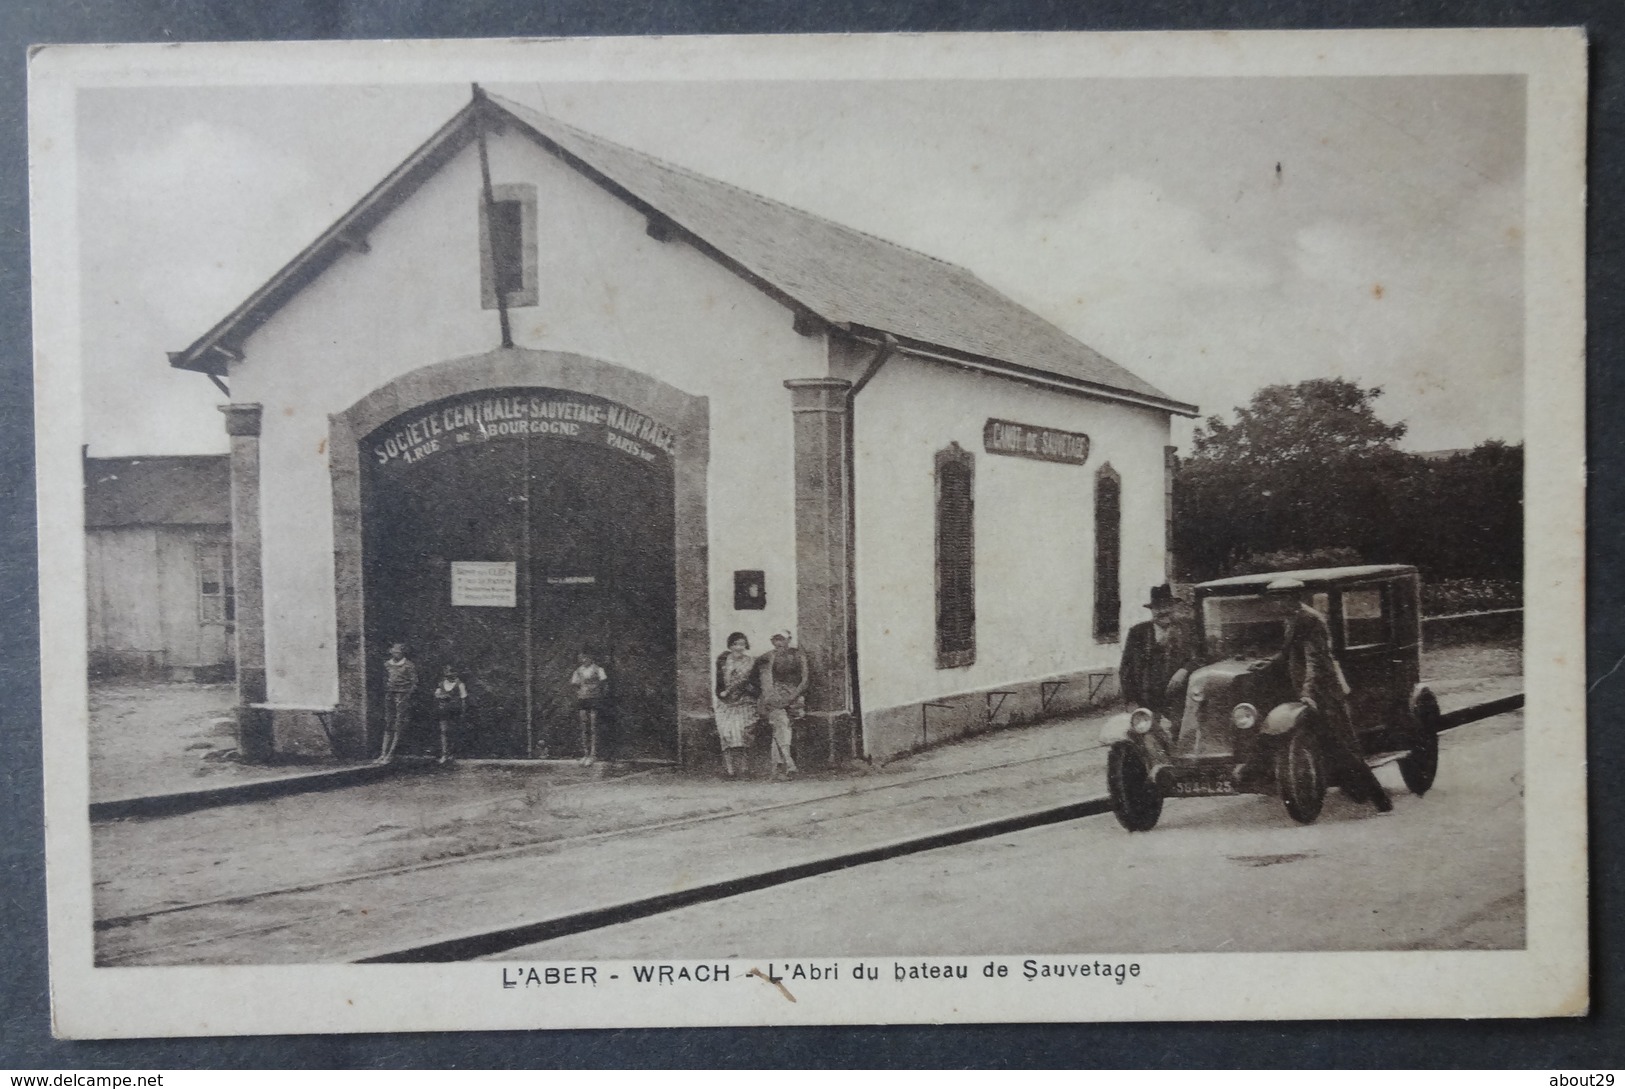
<point>254,737</point>
<point>819,411</point>
<point>350,724</point>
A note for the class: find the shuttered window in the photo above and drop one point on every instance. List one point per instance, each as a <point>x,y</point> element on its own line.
<point>956,558</point>
<point>1108,555</point>
<point>508,247</point>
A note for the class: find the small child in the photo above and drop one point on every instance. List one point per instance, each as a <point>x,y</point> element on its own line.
<point>591,685</point>
<point>400,681</point>
<point>450,701</point>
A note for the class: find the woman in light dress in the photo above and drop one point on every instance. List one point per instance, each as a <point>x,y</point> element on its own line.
<point>737,692</point>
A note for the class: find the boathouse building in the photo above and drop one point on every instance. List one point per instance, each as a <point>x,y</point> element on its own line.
<point>538,391</point>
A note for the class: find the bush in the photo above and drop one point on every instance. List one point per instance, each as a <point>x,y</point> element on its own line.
<point>1449,596</point>
<point>1289,560</point>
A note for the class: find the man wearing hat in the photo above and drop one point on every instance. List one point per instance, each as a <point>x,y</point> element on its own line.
<point>784,675</point>
<point>1154,651</point>
<point>1319,683</point>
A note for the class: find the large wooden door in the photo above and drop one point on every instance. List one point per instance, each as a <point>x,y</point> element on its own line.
<point>602,580</point>
<point>575,534</point>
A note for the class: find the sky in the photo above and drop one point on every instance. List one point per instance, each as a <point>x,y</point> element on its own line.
<point>1211,235</point>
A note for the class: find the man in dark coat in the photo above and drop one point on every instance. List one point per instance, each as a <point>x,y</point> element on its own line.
<point>1154,651</point>
<point>1318,681</point>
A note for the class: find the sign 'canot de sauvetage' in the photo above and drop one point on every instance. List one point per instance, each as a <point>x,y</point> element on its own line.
<point>1040,443</point>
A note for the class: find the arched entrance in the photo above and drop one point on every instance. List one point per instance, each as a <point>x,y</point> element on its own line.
<point>502,514</point>
<point>506,532</point>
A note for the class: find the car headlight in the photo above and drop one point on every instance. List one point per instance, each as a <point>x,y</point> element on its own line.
<point>1140,721</point>
<point>1244,717</point>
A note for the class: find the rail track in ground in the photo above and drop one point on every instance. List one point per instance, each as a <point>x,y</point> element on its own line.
<point>492,941</point>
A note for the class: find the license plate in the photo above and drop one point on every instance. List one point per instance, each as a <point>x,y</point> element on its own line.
<point>1204,786</point>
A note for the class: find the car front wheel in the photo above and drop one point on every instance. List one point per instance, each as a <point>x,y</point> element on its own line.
<point>1136,801</point>
<point>1419,766</point>
<point>1302,777</point>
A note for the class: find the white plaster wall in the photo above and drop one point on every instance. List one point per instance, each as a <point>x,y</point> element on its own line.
<point>606,290</point>
<point>1034,530</point>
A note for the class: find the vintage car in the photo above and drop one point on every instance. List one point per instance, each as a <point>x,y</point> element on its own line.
<point>1232,723</point>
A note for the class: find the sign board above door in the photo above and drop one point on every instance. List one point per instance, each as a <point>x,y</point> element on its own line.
<point>497,415</point>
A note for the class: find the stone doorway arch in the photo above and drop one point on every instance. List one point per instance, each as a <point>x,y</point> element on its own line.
<point>687,418</point>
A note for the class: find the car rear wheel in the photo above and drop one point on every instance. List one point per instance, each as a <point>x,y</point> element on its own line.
<point>1301,775</point>
<point>1419,766</point>
<point>1136,801</point>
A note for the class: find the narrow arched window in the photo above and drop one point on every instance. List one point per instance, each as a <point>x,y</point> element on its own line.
<point>956,558</point>
<point>1108,555</point>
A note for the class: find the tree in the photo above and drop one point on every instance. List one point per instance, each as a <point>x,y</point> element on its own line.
<point>1309,474</point>
<point>1303,468</point>
<point>1465,513</point>
<point>1320,420</point>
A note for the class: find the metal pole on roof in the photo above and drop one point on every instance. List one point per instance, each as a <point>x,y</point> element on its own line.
<point>490,216</point>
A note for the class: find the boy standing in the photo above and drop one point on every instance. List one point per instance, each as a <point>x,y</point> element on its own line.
<point>450,700</point>
<point>400,681</point>
<point>591,685</point>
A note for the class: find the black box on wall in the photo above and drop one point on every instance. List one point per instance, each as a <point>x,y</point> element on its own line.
<point>750,590</point>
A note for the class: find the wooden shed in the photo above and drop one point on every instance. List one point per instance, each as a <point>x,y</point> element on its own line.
<point>158,559</point>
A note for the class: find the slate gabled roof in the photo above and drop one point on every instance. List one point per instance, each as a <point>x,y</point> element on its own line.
<point>175,490</point>
<point>843,276</point>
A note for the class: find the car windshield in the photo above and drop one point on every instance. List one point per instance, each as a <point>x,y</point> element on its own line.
<point>1241,627</point>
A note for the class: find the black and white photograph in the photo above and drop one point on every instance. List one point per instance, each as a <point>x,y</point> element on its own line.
<point>822,530</point>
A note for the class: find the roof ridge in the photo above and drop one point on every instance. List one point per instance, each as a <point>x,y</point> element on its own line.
<point>841,273</point>
<point>707,179</point>
<point>540,121</point>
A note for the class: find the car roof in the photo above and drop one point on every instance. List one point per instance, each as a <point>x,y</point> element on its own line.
<point>1315,577</point>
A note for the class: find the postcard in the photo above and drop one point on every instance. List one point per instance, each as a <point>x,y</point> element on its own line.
<point>811,530</point>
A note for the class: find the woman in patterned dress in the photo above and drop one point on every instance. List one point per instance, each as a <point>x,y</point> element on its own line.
<point>736,701</point>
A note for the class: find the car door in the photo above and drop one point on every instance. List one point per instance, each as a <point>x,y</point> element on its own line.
<point>1364,638</point>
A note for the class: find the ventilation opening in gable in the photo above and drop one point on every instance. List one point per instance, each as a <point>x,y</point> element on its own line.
<point>508,247</point>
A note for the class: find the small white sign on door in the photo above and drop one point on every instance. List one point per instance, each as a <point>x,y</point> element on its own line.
<point>484,583</point>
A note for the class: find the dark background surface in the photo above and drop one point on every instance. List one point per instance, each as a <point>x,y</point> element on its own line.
<point>25,1041</point>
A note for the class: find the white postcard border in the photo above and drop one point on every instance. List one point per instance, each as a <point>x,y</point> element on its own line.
<point>1550,977</point>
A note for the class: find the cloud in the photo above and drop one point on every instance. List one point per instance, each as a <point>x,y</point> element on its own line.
<point>1153,282</point>
<point>1431,309</point>
<point>210,159</point>
<point>1133,238</point>
<point>174,233</point>
<point>202,216</point>
<point>1427,306</point>
<point>1152,225</point>
<point>1161,231</point>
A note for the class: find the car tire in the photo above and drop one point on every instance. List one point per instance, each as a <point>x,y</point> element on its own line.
<point>1419,766</point>
<point>1136,801</point>
<point>1300,773</point>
